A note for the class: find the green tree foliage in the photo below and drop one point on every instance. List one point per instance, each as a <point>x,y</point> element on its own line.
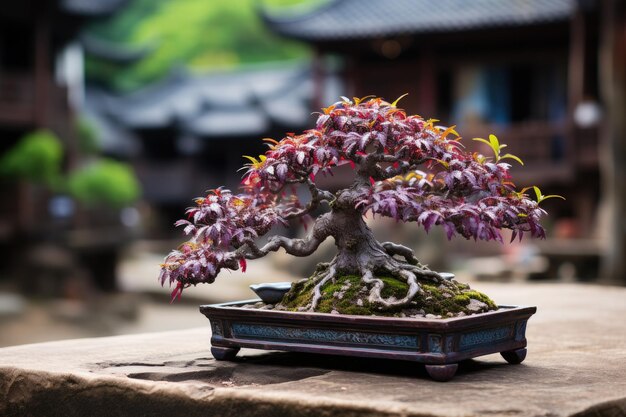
<point>197,34</point>
<point>37,157</point>
<point>105,182</point>
<point>88,136</point>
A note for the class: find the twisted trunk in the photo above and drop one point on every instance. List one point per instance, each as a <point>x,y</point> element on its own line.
<point>359,253</point>
<point>357,247</point>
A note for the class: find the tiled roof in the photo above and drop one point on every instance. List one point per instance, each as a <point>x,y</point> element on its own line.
<point>114,52</point>
<point>218,105</point>
<point>366,19</point>
<point>92,8</point>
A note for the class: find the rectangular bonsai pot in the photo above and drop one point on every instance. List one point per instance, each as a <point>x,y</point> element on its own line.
<point>438,343</point>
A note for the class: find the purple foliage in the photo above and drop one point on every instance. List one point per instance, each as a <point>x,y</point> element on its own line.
<point>406,168</point>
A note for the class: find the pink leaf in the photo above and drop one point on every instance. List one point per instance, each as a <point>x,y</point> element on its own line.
<point>177,292</point>
<point>281,171</point>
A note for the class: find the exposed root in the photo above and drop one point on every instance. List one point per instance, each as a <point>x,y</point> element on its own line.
<point>375,296</point>
<point>386,287</point>
<point>404,271</point>
<point>412,264</point>
<point>317,291</point>
<point>425,273</point>
<point>395,249</point>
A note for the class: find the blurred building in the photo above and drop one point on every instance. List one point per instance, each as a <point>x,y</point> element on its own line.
<point>187,133</point>
<point>41,81</point>
<point>41,87</point>
<point>527,71</point>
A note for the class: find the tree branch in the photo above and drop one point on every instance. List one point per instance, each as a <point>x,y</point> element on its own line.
<point>295,247</point>
<point>370,166</point>
<point>317,197</point>
<point>381,157</point>
<point>402,168</point>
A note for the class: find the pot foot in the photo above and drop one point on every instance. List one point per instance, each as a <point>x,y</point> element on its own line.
<point>514,356</point>
<point>224,353</point>
<point>442,373</point>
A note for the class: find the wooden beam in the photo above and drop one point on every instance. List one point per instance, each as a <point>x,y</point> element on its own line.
<point>576,65</point>
<point>427,83</point>
<point>42,62</point>
<point>612,61</point>
<point>318,78</point>
<point>351,76</point>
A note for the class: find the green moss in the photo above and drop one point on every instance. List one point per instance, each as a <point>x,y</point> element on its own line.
<point>433,290</point>
<point>393,287</point>
<point>349,295</point>
<point>348,288</point>
<point>462,299</point>
<point>481,297</point>
<point>299,295</point>
<point>357,310</point>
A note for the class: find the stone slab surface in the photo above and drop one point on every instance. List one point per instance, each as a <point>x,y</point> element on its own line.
<point>576,365</point>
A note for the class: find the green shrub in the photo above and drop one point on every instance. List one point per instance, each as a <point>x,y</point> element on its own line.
<point>37,157</point>
<point>88,136</point>
<point>105,182</point>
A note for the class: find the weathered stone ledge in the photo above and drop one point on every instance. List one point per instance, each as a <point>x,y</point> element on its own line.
<point>576,366</point>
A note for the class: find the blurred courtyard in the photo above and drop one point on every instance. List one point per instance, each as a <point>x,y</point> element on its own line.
<point>115,114</point>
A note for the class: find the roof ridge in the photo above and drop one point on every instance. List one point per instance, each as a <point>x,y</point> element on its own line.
<point>268,17</point>
<point>367,19</point>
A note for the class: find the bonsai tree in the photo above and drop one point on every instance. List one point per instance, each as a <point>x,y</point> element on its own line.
<point>405,167</point>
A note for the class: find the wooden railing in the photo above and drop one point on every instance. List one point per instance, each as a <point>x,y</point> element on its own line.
<point>587,147</point>
<point>19,103</point>
<point>548,150</point>
<point>17,98</point>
